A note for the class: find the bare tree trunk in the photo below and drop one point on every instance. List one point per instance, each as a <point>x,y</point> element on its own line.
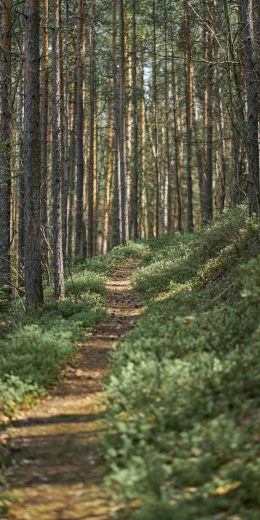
<point>79,135</point>
<point>21,237</point>
<point>92,174</point>
<point>108,184</point>
<point>209,127</point>
<point>221,128</point>
<point>168,173</point>
<point>58,270</point>
<point>252,106</point>
<point>44,130</point>
<point>176,141</point>
<point>122,125</point>
<point>64,150</point>
<point>72,170</point>
<point>136,162</point>
<point>143,180</point>
<point>117,223</point>
<point>189,112</point>
<point>32,166</point>
<point>5,152</point>
<point>155,126</point>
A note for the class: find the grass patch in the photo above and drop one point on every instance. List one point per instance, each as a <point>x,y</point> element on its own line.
<point>184,393</point>
<point>41,343</point>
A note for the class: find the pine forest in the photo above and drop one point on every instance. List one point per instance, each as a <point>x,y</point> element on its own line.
<point>129,259</point>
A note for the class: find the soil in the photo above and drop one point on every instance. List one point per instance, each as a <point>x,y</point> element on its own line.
<point>57,469</point>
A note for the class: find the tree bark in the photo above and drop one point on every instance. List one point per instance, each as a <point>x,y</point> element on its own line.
<point>5,152</point>
<point>33,272</point>
<point>79,135</point>
<point>168,173</point>
<point>117,222</point>
<point>252,106</point>
<point>122,125</point>
<point>189,114</point>
<point>92,173</point>
<point>135,162</point>
<point>155,126</point>
<point>209,108</point>
<point>44,107</point>
<point>58,270</point>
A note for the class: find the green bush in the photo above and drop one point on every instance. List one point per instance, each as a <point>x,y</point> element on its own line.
<point>81,282</point>
<point>182,256</point>
<point>183,397</point>
<point>41,343</point>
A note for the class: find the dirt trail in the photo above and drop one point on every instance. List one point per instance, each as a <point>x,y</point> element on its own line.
<point>57,470</point>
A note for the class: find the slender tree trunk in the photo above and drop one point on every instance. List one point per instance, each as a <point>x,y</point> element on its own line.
<point>44,105</point>
<point>32,167</point>
<point>143,183</point>
<point>189,113</point>
<point>136,162</point>
<point>200,162</point>
<point>64,149</point>
<point>108,184</point>
<point>21,237</point>
<point>79,135</point>
<point>92,174</point>
<point>117,222</point>
<point>155,126</point>
<point>122,125</point>
<point>58,270</point>
<point>221,130</point>
<point>168,175</point>
<point>5,152</point>
<point>252,106</point>
<point>72,170</point>
<point>209,127</point>
<point>176,144</point>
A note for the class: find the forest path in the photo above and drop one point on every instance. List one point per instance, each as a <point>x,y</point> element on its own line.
<point>57,469</point>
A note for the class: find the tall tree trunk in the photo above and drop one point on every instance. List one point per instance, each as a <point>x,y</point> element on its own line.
<point>155,126</point>
<point>79,135</point>
<point>21,190</point>
<point>58,270</point>
<point>122,125</point>
<point>189,114</point>
<point>108,184</point>
<point>72,169</point>
<point>252,106</point>
<point>143,180</point>
<point>64,147</point>
<point>32,165</point>
<point>209,126</point>
<point>135,162</point>
<point>168,176</point>
<point>117,222</point>
<point>176,141</point>
<point>5,152</point>
<point>92,173</point>
<point>221,130</point>
<point>44,130</point>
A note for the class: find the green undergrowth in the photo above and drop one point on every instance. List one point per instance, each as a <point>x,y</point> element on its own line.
<point>184,393</point>
<point>40,344</point>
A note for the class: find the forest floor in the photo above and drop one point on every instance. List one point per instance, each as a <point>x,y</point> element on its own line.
<point>57,469</point>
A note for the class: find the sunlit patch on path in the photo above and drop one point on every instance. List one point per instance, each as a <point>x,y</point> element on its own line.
<point>57,468</point>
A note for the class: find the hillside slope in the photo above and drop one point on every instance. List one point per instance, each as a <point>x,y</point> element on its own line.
<point>184,393</point>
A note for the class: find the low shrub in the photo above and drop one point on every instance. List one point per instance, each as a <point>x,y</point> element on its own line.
<point>183,396</point>
<point>41,343</point>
